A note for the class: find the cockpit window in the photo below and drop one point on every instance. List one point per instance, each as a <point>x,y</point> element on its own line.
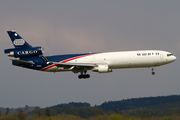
<point>169,55</point>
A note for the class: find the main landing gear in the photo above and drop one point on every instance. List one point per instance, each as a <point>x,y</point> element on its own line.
<point>84,75</point>
<point>153,73</point>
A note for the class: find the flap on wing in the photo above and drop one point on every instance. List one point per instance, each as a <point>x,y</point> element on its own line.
<point>22,62</point>
<point>74,64</point>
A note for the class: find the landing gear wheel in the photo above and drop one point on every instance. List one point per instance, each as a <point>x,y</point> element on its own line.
<point>84,76</point>
<point>153,73</point>
<point>80,76</point>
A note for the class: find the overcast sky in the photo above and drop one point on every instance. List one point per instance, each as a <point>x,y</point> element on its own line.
<point>78,26</point>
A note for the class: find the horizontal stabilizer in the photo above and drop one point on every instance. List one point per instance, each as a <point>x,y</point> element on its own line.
<point>22,62</point>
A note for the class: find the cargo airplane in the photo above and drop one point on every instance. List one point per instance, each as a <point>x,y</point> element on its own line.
<point>102,62</point>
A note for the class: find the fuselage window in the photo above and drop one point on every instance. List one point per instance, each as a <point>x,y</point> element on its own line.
<point>138,54</point>
<point>152,53</point>
<point>157,53</point>
<point>144,54</point>
<point>149,53</point>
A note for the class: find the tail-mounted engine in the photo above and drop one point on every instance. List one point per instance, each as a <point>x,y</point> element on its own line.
<point>22,53</point>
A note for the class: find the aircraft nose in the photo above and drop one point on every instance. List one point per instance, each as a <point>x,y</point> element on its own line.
<point>173,58</point>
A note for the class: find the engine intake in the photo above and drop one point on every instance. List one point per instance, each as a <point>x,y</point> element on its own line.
<point>104,68</point>
<point>30,52</point>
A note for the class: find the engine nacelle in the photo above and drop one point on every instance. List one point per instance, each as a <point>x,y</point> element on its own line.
<point>103,68</point>
<point>30,52</point>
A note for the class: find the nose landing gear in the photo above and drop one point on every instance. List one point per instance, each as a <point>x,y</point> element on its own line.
<point>153,73</point>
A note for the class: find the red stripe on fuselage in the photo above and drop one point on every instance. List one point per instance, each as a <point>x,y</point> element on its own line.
<point>67,60</point>
<point>48,67</point>
<point>75,58</point>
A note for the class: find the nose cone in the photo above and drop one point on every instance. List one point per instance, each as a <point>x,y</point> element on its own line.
<point>173,58</point>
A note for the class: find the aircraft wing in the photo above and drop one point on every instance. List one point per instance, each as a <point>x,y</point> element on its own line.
<point>75,67</point>
<point>22,62</point>
<point>74,64</point>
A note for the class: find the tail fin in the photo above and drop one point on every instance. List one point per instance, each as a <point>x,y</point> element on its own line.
<point>17,40</point>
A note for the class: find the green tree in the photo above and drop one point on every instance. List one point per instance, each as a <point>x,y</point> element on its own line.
<point>115,117</point>
<point>47,112</point>
<point>36,111</point>
<point>7,110</point>
<point>26,108</point>
<point>22,115</point>
<point>167,118</point>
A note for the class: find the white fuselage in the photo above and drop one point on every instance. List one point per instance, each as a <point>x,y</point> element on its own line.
<point>126,59</point>
<point>129,59</point>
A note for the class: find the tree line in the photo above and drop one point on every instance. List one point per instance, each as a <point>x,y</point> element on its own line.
<point>138,103</point>
<point>148,106</point>
<point>144,107</point>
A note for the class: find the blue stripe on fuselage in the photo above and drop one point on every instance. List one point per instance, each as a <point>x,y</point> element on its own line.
<point>40,64</point>
<point>58,58</point>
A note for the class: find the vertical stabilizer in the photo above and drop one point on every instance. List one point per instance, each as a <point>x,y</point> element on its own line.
<point>17,40</point>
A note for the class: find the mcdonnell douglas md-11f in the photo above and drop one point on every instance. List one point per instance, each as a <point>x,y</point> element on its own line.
<point>32,58</point>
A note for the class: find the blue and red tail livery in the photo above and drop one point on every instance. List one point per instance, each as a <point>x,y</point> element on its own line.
<point>32,58</point>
